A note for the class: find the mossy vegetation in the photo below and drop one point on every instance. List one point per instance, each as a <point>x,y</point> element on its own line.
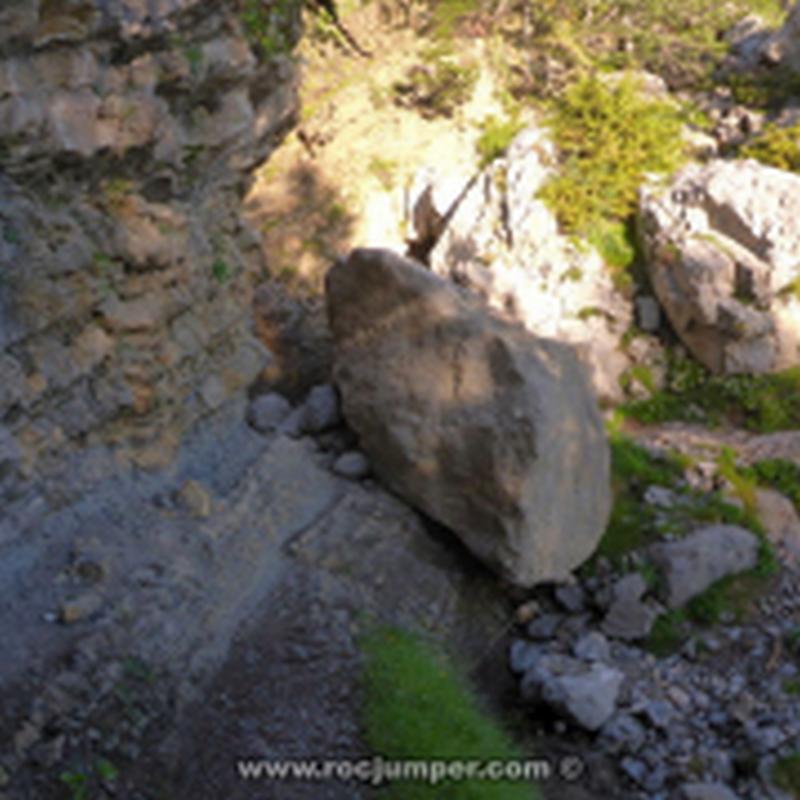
<point>496,135</point>
<point>776,146</point>
<point>271,27</point>
<point>681,42</point>
<point>609,136</point>
<point>779,474</point>
<point>438,85</point>
<point>786,774</point>
<point>762,403</point>
<point>418,706</point>
<point>635,524</point>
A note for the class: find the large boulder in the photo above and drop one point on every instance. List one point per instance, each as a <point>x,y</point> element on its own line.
<point>486,428</point>
<point>503,243</point>
<point>723,245</point>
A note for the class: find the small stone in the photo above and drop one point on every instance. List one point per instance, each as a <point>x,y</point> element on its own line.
<point>321,409</point>
<point>635,769</point>
<point>658,713</point>
<point>691,565</point>
<point>526,612</point>
<point>622,734</point>
<point>592,647</point>
<point>523,655</point>
<point>629,617</point>
<point>585,693</point>
<point>648,313</point>
<point>267,412</point>
<point>352,465</point>
<point>571,597</point>
<point>27,736</point>
<point>660,496</point>
<point>80,608</point>
<point>679,698</point>
<point>655,779</point>
<point>544,626</point>
<point>294,425</point>
<point>194,498</point>
<point>707,791</point>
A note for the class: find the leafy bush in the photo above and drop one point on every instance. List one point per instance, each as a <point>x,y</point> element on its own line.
<point>609,139</point>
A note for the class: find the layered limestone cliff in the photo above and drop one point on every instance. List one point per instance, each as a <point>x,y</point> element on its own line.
<point>128,131</point>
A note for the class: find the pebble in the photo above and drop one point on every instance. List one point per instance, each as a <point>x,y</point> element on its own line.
<point>268,411</point>
<point>544,626</point>
<point>321,409</point>
<point>592,647</point>
<point>194,498</point>
<point>80,608</point>
<point>352,465</point>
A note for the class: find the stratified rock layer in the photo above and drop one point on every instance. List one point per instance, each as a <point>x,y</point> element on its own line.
<point>126,272</point>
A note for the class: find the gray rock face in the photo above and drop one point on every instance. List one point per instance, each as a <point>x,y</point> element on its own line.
<point>691,565</point>
<point>585,693</point>
<point>503,243</point>
<point>722,243</point>
<point>783,47</point>
<point>489,430</point>
<point>140,248</point>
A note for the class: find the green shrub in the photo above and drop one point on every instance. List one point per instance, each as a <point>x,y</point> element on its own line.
<point>270,26</point>
<point>777,147</point>
<point>438,86</point>
<point>609,139</point>
<point>418,706</point>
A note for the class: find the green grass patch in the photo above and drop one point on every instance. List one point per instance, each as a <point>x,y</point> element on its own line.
<point>786,774</point>
<point>761,403</point>
<point>668,633</point>
<point>776,146</point>
<point>496,135</point>
<point>419,706</point>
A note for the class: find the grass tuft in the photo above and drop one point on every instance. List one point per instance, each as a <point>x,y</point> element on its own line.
<point>418,706</point>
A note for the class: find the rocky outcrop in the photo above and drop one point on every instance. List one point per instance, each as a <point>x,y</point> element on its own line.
<point>503,243</point>
<point>126,272</point>
<point>691,565</point>
<point>486,428</point>
<point>783,46</point>
<point>722,247</point>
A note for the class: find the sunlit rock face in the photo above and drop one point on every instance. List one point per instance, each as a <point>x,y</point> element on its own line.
<point>722,249</point>
<point>128,130</point>
<point>488,429</point>
<point>503,243</point>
